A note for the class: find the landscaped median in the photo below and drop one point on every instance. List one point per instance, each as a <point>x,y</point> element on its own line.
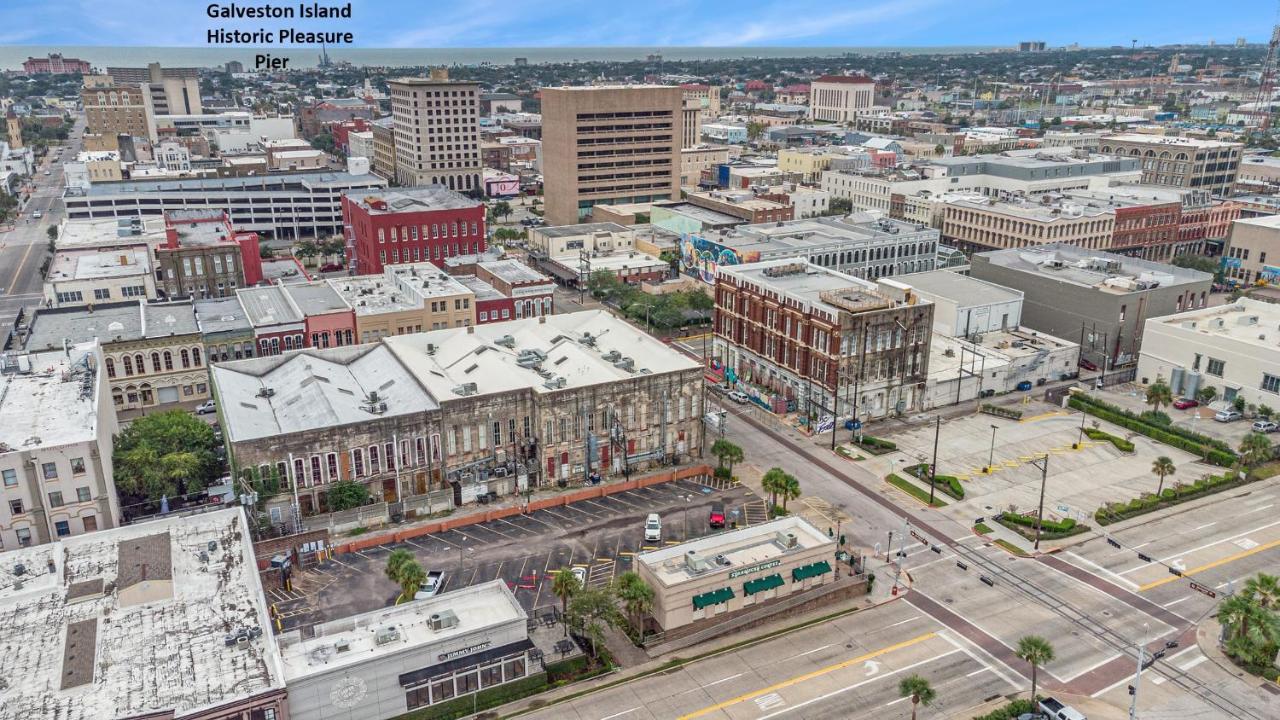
<point>914,490</point>
<point>948,484</point>
<point>1121,444</point>
<point>876,446</point>
<point>1025,526</point>
<point>1212,450</point>
<point>1170,496</point>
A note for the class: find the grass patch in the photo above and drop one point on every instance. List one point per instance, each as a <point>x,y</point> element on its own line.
<point>845,452</point>
<point>357,531</point>
<point>1049,529</point>
<point>877,446</point>
<point>946,483</point>
<point>982,529</point>
<point>1266,470</point>
<point>1012,548</point>
<point>1170,496</point>
<point>914,490</point>
<point>1121,444</point>
<point>1212,450</point>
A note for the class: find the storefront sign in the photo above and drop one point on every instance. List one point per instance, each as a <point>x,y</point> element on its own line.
<point>442,657</point>
<point>754,569</point>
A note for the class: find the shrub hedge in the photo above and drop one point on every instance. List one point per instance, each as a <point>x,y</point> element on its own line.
<point>1121,444</point>
<point>914,490</point>
<point>946,483</point>
<point>877,445</point>
<point>1053,526</point>
<point>1117,511</point>
<point>999,411</point>
<point>1211,449</point>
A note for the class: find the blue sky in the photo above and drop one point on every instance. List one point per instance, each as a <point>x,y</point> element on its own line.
<point>538,23</point>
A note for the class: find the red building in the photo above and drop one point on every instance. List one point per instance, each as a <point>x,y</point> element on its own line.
<point>506,289</point>
<point>55,64</point>
<point>341,131</point>
<point>301,315</point>
<point>404,225</point>
<point>203,256</point>
<point>1142,227</point>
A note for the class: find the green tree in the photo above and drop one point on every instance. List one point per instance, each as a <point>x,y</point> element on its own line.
<point>347,494</point>
<point>1159,393</point>
<point>501,209</point>
<point>52,232</point>
<point>1163,467</point>
<point>166,453</point>
<point>325,142</point>
<point>636,596</point>
<point>919,690</point>
<point>726,452</point>
<point>564,585</point>
<point>1206,394</point>
<point>790,489</point>
<point>1037,651</point>
<point>773,482</point>
<point>395,562</point>
<point>1264,590</point>
<point>589,612</point>
<point>604,284</point>
<point>1252,632</point>
<point>1255,448</point>
<point>755,130</point>
<point>411,578</point>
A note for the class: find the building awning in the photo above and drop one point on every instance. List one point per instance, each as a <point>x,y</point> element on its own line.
<point>715,597</point>
<point>769,582</point>
<point>807,571</point>
<point>417,677</point>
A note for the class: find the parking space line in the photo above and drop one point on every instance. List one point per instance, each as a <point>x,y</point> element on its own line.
<point>608,510</point>
<point>517,527</point>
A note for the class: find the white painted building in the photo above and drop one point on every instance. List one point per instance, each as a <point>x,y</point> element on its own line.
<point>965,306</point>
<point>841,98</point>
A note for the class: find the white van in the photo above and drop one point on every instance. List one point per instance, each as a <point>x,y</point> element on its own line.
<point>653,528</point>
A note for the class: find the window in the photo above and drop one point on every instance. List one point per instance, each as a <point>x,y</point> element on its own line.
<point>195,357</point>
<point>467,682</point>
<point>10,477</point>
<point>299,472</point>
<point>15,507</point>
<point>55,499</point>
<point>316,477</point>
<point>77,466</point>
<point>1196,364</point>
<point>357,462</point>
<point>50,471</point>
<point>102,293</point>
<point>128,365</point>
<point>1215,367</point>
<point>390,455</point>
<point>492,675</point>
<point>332,462</point>
<point>514,668</point>
<point>62,527</point>
<point>24,537</point>
<point>82,494</point>
<point>186,358</point>
<point>168,360</point>
<point>497,432</point>
<point>374,465</point>
<point>1122,309</point>
<point>111,368</point>
<point>1270,383</point>
<point>90,523</point>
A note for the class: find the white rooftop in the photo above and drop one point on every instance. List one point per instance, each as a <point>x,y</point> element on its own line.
<point>99,263</point>
<point>311,389</point>
<point>115,232</point>
<point>134,620</point>
<point>43,399</point>
<point>1253,322</point>
<point>740,548</point>
<point>459,362</point>
<point>365,637</point>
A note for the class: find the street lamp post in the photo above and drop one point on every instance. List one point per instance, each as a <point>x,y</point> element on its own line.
<point>991,456</point>
<point>1137,675</point>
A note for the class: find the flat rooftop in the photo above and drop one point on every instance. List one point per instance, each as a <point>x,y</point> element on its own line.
<point>286,270</point>
<point>113,232</point>
<point>114,322</point>
<point>966,291</point>
<point>701,214</point>
<point>221,315</point>
<point>1060,210</point>
<point>1103,271</point>
<point>268,305</point>
<point>1000,348</point>
<point>560,231</point>
<point>1173,141</point>
<point>258,183</point>
<point>858,228</point>
<point>1253,322</point>
<point>313,389</point>
<point>808,283</point>
<point>366,637</point>
<point>399,288</point>
<point>315,298</point>
<point>514,272</point>
<point>413,199</point>
<point>89,636</point>
<point>99,263</point>
<point>545,354</point>
<point>622,260</point>
<point>48,399</point>
<point>739,549</point>
<point>481,289</point>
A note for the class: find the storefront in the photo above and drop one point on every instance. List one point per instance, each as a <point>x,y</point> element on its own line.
<point>730,571</point>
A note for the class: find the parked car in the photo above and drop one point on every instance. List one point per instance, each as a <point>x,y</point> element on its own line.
<point>206,407</point>
<point>330,267</point>
<point>1024,385</point>
<point>653,528</point>
<point>1263,425</point>
<point>581,574</point>
<point>1227,415</point>
<point>1058,711</point>
<point>1185,403</point>
<point>37,214</point>
<point>716,517</point>
<point>1087,364</point>
<point>739,397</point>
<point>430,586</point>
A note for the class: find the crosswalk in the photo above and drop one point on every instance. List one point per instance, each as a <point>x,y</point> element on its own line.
<point>755,512</point>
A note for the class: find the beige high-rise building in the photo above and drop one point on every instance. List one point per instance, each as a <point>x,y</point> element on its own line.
<point>692,124</point>
<point>437,131</point>
<point>174,91</point>
<point>609,144</point>
<point>112,108</point>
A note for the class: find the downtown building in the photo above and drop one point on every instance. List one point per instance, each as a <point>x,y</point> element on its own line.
<point>841,98</point>
<point>410,225</point>
<point>797,337</point>
<point>1211,165</point>
<point>610,144</point>
<point>463,411</point>
<point>437,132</point>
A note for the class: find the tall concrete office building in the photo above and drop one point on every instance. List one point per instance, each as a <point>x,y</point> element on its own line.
<point>437,131</point>
<point>609,144</point>
<point>174,91</point>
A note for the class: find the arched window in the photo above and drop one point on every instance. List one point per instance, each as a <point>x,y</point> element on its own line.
<point>186,358</point>
<point>128,365</point>
<point>168,360</point>
<point>155,362</point>
<point>357,462</point>
<point>195,356</point>
<point>316,477</point>
<point>374,466</point>
<point>333,466</point>
<point>137,360</point>
<point>111,368</point>
<point>299,474</point>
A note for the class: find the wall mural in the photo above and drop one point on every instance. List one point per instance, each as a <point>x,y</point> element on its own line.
<point>700,257</point>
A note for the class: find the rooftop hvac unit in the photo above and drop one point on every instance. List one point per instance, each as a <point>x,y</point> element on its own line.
<point>443,620</point>
<point>505,341</point>
<point>466,389</point>
<point>342,645</point>
<point>384,635</point>
<point>625,363</point>
<point>587,339</point>
<point>612,356</point>
<point>265,392</point>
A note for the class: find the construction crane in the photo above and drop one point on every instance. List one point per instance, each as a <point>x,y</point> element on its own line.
<point>1266,81</point>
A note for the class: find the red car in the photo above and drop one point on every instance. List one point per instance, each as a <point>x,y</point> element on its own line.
<point>1184,403</point>
<point>1087,365</point>
<point>716,517</point>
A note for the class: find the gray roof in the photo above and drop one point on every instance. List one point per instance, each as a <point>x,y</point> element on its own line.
<point>245,184</point>
<point>963,289</point>
<point>221,315</point>
<point>268,305</point>
<point>558,231</point>
<point>1089,268</point>
<point>315,298</point>
<point>115,322</point>
<point>416,199</point>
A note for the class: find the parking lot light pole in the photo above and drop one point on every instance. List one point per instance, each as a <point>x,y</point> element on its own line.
<point>991,457</point>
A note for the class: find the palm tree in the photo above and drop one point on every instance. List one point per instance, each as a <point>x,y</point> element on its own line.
<point>1037,651</point>
<point>1264,590</point>
<point>1249,628</point>
<point>772,483</point>
<point>411,578</point>
<point>395,562</point>
<point>726,452</point>
<point>790,489</point>
<point>636,596</point>
<point>1159,393</point>
<point>564,585</point>
<point>1163,467</point>
<point>1255,448</point>
<point>919,690</point>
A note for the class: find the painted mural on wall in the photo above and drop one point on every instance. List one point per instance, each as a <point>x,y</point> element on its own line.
<point>700,257</point>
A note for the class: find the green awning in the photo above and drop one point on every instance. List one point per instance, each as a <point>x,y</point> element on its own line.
<point>769,582</point>
<point>715,597</point>
<point>807,571</point>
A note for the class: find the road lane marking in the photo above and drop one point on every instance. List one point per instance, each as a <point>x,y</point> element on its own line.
<point>1092,667</point>
<point>617,715</point>
<point>990,666</point>
<point>1170,556</point>
<point>1209,566</point>
<point>1201,527</point>
<point>1264,507</point>
<point>721,680</point>
<point>1175,602</point>
<point>808,652</point>
<point>810,675</point>
<point>1190,664</point>
<point>833,693</point>
<point>902,622</point>
<point>1124,580</point>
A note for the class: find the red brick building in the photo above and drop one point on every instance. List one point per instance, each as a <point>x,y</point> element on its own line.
<point>506,289</point>
<point>341,131</point>
<point>1142,227</point>
<point>421,224</point>
<point>56,64</point>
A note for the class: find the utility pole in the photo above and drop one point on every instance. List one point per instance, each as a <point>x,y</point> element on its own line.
<point>991,457</point>
<point>933,467</point>
<point>1137,677</point>
<point>1043,464</point>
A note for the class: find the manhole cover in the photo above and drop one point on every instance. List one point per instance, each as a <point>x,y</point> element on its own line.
<point>1107,613</point>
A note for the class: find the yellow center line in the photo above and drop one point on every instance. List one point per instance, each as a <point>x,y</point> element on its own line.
<point>1212,565</point>
<point>808,676</point>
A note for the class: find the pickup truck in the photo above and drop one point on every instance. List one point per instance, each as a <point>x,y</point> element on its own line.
<point>430,586</point>
<point>1058,711</point>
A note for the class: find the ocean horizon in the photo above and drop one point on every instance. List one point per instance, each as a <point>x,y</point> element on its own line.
<point>12,56</point>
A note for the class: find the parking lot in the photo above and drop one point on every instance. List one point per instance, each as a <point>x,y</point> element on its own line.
<point>600,535</point>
